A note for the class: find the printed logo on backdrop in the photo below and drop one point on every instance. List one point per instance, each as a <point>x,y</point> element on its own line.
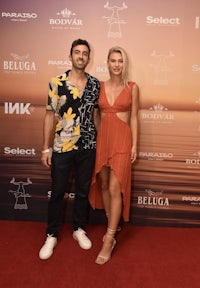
<point>160,67</point>
<point>20,194</point>
<point>114,21</point>
<point>10,151</point>
<point>65,19</point>
<point>194,161</point>
<point>60,64</point>
<point>67,196</point>
<point>18,108</point>
<point>17,64</point>
<point>19,16</point>
<point>102,69</point>
<point>157,114</point>
<point>153,199</point>
<point>163,21</point>
<point>197,22</point>
<point>155,156</point>
<point>192,200</point>
<point>195,68</point>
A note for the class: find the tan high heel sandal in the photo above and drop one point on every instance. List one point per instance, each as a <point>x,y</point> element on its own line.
<point>101,259</point>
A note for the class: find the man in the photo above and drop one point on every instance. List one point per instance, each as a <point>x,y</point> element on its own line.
<point>72,104</point>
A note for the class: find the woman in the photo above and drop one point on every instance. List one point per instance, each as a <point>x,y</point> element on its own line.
<point>116,147</point>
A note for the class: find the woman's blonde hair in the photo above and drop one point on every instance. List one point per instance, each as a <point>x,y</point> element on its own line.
<point>125,71</point>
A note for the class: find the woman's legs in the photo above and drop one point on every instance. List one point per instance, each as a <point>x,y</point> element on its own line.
<point>112,198</point>
<point>115,202</point>
<point>104,176</point>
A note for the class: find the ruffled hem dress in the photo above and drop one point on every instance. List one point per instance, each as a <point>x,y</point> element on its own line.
<point>114,142</point>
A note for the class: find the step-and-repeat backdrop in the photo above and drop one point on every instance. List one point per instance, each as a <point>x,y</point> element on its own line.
<point>162,39</point>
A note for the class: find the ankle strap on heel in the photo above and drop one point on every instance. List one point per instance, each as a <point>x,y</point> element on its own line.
<point>110,232</point>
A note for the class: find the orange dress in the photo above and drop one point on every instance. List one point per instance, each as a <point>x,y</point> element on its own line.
<point>114,143</point>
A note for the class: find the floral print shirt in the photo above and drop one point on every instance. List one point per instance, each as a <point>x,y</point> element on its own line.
<point>75,128</point>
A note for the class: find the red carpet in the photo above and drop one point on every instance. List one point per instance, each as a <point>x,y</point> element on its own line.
<point>144,257</point>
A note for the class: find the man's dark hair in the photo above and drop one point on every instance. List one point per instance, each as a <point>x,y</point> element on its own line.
<point>79,42</point>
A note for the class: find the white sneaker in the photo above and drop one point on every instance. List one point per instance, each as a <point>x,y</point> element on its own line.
<point>83,241</point>
<point>47,249</point>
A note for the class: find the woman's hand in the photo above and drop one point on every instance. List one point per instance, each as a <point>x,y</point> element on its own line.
<point>133,154</point>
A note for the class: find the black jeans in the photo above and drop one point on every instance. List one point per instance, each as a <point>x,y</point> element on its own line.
<point>83,161</point>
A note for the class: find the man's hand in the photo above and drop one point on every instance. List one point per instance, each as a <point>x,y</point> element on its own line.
<point>46,157</point>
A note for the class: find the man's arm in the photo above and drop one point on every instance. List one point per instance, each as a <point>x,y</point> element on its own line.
<point>48,135</point>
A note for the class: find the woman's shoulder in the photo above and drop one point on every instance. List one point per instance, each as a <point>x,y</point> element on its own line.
<point>131,83</point>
